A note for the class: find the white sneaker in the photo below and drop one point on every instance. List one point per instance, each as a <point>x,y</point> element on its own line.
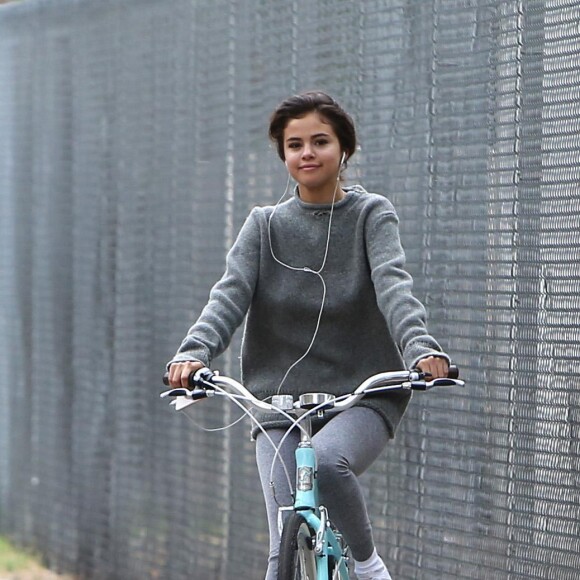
<point>372,569</point>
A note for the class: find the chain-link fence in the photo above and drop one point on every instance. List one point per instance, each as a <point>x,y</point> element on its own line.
<point>133,144</point>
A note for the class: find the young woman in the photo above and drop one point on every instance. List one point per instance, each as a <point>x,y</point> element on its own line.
<point>321,279</point>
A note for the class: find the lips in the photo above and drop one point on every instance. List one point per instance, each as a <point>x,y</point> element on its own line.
<point>308,167</point>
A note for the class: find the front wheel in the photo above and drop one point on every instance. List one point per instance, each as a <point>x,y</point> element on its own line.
<point>297,559</point>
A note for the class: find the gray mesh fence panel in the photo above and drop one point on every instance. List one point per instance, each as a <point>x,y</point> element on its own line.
<point>132,146</point>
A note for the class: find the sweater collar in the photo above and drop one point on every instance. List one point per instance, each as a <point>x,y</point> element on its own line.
<point>350,191</point>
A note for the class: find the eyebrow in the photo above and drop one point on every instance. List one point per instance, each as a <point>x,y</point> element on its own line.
<point>316,136</point>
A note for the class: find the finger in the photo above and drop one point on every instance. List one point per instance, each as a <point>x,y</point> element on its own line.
<point>174,380</point>
<point>435,368</point>
<point>189,369</point>
<point>185,372</point>
<point>424,365</point>
<point>441,366</point>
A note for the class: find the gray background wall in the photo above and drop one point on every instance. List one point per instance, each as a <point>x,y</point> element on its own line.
<point>132,146</point>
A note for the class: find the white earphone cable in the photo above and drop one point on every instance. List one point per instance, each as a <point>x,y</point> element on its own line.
<point>306,269</point>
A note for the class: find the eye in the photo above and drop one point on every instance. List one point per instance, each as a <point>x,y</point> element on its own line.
<point>321,142</point>
<point>293,145</point>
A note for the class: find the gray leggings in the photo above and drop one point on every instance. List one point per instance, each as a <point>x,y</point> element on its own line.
<point>345,447</point>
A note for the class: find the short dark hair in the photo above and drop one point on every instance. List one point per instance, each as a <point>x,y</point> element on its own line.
<point>299,106</point>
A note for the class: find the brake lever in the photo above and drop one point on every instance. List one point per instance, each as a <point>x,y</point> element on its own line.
<point>195,394</point>
<point>442,382</point>
<point>180,392</point>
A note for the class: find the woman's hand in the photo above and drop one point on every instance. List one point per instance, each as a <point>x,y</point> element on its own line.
<point>179,373</point>
<point>436,366</point>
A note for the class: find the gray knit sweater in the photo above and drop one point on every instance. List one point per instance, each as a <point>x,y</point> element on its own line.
<point>370,323</point>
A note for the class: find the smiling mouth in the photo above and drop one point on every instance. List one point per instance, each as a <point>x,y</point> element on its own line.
<point>309,166</point>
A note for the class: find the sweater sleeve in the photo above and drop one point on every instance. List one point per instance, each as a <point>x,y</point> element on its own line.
<point>404,314</point>
<point>229,299</point>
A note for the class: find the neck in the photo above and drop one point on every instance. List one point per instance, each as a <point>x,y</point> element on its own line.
<point>321,196</point>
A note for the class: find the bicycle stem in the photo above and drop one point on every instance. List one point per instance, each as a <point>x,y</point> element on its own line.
<point>306,431</point>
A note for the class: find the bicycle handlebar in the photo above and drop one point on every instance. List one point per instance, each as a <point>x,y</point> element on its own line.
<point>204,381</point>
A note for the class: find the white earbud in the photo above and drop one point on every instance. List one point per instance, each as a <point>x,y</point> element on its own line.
<point>343,159</point>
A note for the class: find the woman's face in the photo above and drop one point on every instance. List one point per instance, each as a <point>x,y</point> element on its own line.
<point>313,155</point>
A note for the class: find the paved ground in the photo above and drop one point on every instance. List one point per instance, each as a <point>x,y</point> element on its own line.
<point>33,573</point>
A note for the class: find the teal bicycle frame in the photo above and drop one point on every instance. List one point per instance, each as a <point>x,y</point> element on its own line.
<point>327,544</point>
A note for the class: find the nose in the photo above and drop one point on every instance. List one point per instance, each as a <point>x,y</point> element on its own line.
<point>307,152</point>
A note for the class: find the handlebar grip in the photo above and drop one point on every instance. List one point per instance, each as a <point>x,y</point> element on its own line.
<point>203,375</point>
<point>453,372</point>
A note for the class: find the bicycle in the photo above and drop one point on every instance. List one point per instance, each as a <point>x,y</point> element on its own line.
<point>311,548</point>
